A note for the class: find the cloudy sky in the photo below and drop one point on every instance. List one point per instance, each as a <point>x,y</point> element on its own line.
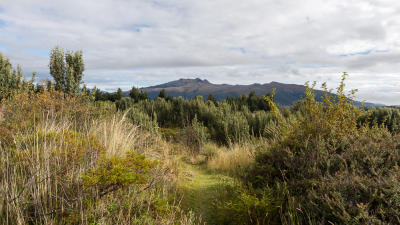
<point>144,42</point>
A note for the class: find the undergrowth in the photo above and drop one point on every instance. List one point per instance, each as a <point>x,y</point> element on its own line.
<point>335,170</point>
<point>70,161</point>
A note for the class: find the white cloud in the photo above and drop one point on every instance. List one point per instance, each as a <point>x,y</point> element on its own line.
<point>222,41</point>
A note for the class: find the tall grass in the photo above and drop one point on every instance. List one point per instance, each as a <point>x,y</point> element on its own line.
<point>229,160</point>
<point>47,142</point>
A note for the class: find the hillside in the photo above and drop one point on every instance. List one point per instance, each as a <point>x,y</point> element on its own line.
<point>285,94</point>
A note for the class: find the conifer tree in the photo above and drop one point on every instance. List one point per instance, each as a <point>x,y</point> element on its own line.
<point>134,93</point>
<point>162,94</point>
<point>212,98</point>
<point>119,94</point>
<point>143,95</point>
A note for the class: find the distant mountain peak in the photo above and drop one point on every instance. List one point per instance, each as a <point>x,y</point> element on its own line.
<point>179,83</point>
<point>285,95</point>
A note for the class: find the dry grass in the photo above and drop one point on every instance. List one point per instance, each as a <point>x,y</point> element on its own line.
<point>230,160</point>
<point>46,142</point>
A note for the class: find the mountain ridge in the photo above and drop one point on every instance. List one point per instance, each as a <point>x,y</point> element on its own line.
<point>285,94</point>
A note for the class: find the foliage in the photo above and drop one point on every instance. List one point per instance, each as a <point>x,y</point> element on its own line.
<point>138,96</point>
<point>67,70</point>
<point>12,81</point>
<point>48,142</point>
<point>162,94</point>
<point>140,118</point>
<point>389,117</point>
<point>124,103</point>
<point>119,94</point>
<point>252,101</point>
<point>195,135</point>
<point>225,124</point>
<point>246,205</point>
<point>336,171</point>
<point>114,173</point>
<point>210,97</point>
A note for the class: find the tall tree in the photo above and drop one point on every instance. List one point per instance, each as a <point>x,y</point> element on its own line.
<point>134,93</point>
<point>213,99</point>
<point>11,80</point>
<point>119,94</point>
<point>143,95</point>
<point>67,70</point>
<point>162,94</point>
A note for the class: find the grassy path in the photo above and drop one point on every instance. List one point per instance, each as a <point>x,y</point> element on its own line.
<point>199,189</point>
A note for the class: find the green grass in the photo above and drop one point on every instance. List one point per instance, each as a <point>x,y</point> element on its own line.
<point>199,188</point>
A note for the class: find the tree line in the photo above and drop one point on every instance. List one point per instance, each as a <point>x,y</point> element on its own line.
<point>227,121</point>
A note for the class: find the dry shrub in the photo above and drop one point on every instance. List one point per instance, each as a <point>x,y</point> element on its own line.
<point>49,141</point>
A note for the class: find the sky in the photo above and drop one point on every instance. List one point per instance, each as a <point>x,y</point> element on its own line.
<point>142,43</point>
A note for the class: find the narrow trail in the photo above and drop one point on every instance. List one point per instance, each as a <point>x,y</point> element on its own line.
<point>200,188</point>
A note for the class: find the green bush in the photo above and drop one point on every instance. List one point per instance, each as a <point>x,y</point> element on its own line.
<point>124,103</point>
<point>237,204</point>
<point>115,173</point>
<point>226,122</point>
<point>335,171</point>
<point>194,136</point>
<point>140,118</point>
<point>382,116</point>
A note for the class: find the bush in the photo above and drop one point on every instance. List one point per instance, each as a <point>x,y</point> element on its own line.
<point>115,173</point>
<point>194,136</point>
<point>238,204</point>
<point>55,165</point>
<point>388,117</point>
<point>140,118</point>
<point>336,171</point>
<point>124,103</point>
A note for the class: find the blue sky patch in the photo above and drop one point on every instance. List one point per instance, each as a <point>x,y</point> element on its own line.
<point>242,50</point>
<point>316,67</point>
<point>3,47</point>
<point>363,53</point>
<point>36,52</point>
<point>136,27</point>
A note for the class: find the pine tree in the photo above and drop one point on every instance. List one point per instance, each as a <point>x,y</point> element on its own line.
<point>213,99</point>
<point>162,94</point>
<point>119,94</point>
<point>134,93</point>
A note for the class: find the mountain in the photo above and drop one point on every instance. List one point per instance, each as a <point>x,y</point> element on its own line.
<point>285,94</point>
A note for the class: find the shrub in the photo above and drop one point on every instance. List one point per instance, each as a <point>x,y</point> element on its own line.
<point>388,117</point>
<point>337,172</point>
<point>45,173</point>
<point>238,204</point>
<point>140,118</point>
<point>48,142</point>
<point>194,136</point>
<point>115,173</point>
<point>124,103</point>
